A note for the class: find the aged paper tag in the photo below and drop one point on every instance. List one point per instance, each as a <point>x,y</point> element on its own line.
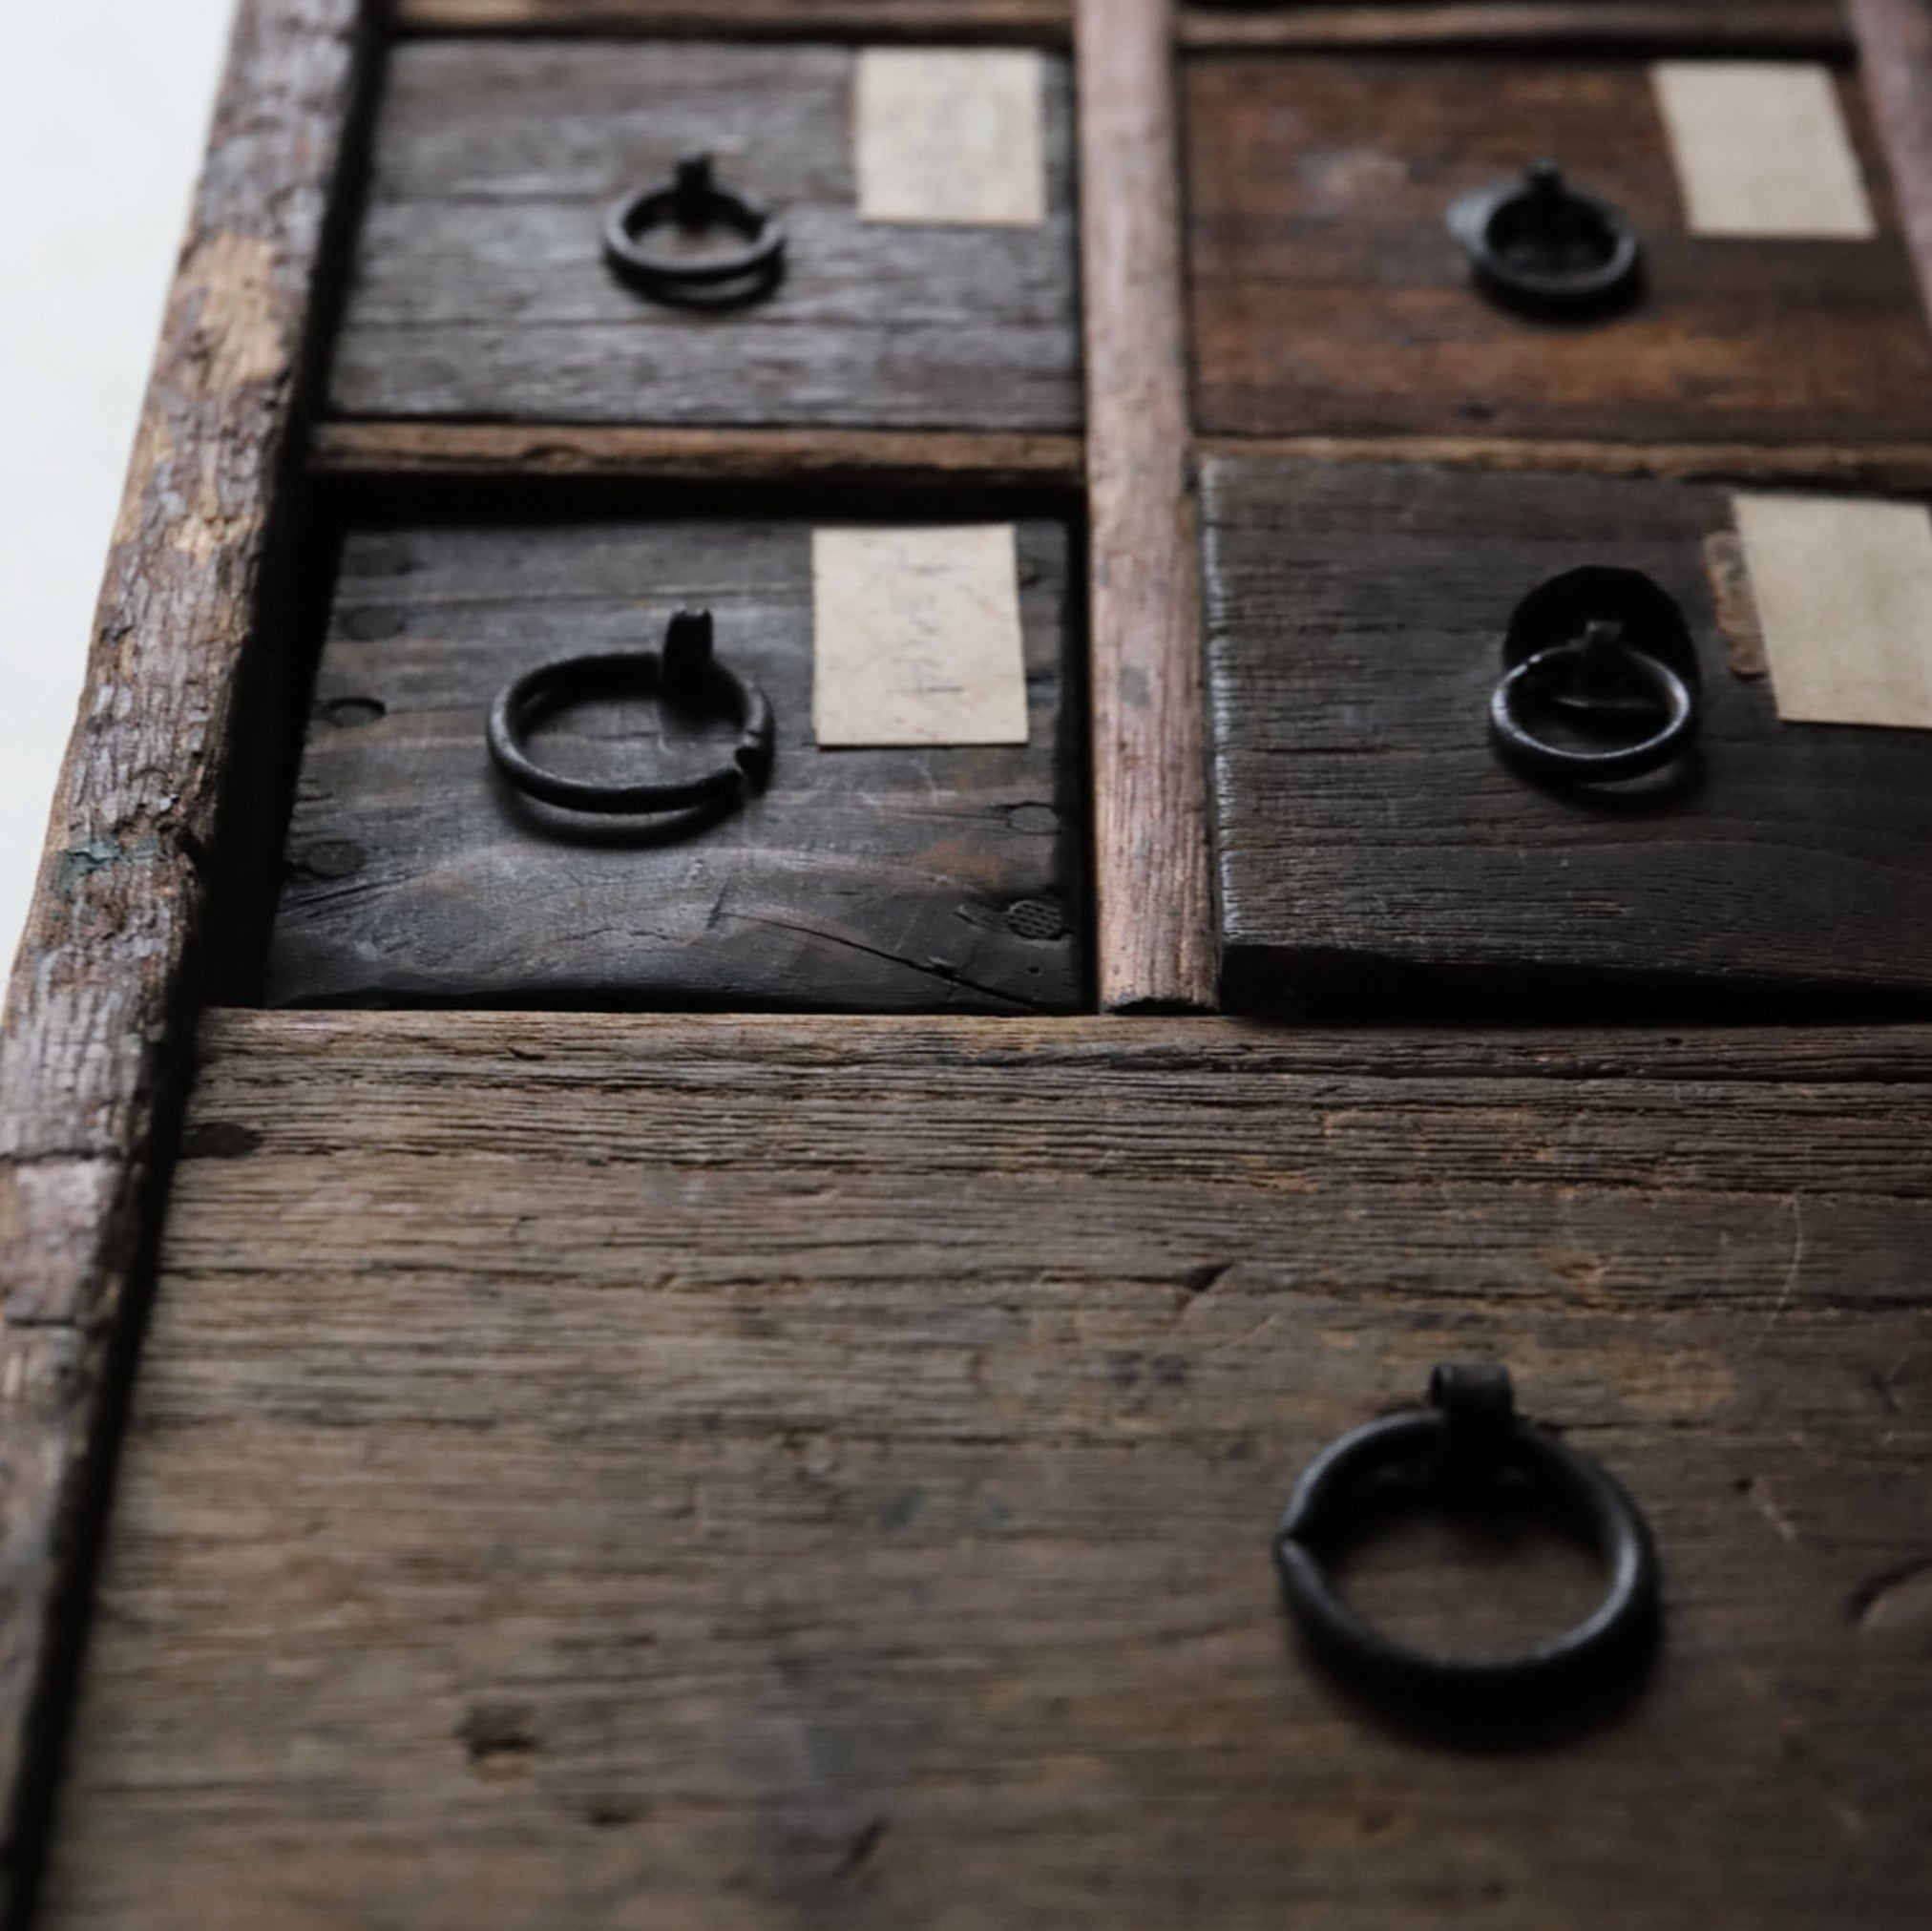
<point>1845,601</point>
<point>916,636</point>
<point>1761,149</point>
<point>951,136</point>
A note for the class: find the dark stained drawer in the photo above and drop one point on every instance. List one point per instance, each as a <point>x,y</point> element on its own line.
<point>1372,840</point>
<point>1330,298</point>
<point>479,287</point>
<point>882,879</point>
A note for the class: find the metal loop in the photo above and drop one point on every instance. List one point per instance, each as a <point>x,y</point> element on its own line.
<point>1603,1652</point>
<point>693,200</point>
<point>1675,697</point>
<point>1541,244</point>
<point>685,673</point>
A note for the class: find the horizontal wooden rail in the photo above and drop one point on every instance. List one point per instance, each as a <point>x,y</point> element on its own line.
<point>1044,22</point>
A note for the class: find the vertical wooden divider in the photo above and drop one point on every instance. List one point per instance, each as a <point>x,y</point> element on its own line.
<point>1155,940</point>
<point>1895,49</point>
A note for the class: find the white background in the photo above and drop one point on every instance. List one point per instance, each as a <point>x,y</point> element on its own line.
<point>104,109</point>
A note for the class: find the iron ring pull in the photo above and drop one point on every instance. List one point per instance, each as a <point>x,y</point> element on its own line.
<point>1543,245</point>
<point>1672,695</point>
<point>1470,1434</point>
<point>694,199</point>
<point>685,673</point>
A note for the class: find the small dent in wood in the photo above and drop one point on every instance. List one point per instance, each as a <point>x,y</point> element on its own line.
<point>345,714</point>
<point>221,1139</point>
<point>373,623</point>
<point>500,1740</point>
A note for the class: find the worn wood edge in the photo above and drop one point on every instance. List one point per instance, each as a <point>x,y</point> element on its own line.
<point>587,1045</point>
<point>1024,22</point>
<point>1895,47</point>
<point>1906,468</point>
<point>94,1043</point>
<point>1154,939</point>
<point>372,450</point>
<point>1815,27</point>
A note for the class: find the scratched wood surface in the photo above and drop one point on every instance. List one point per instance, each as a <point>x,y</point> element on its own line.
<point>1370,841</point>
<point>601,1471</point>
<point>92,1054</point>
<point>890,879</point>
<point>1329,298</point>
<point>479,290</point>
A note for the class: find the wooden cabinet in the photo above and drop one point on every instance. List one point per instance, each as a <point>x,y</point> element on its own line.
<point>895,879</point>
<point>479,290</point>
<point>1372,844</point>
<point>1329,297</point>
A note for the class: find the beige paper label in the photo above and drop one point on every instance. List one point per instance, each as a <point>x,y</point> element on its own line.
<point>1761,149</point>
<point>916,638</point>
<point>951,136</point>
<point>1845,601</point>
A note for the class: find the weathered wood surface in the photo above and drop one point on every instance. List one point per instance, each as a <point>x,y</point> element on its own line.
<point>91,1060</point>
<point>1365,824</point>
<point>1154,934</point>
<point>908,879</point>
<point>1781,26</point>
<point>1901,469</point>
<point>480,291</point>
<point>954,20</point>
<point>1329,298</point>
<point>1895,45</point>
<point>600,1471</point>
<point>872,457</point>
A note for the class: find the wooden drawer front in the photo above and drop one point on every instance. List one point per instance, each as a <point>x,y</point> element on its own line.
<point>479,290</point>
<point>1364,821</point>
<point>889,880</point>
<point>609,1472</point>
<point>1328,297</point>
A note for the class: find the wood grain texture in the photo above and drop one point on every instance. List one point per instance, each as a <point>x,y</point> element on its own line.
<point>1895,46</point>
<point>601,1472</point>
<point>1154,940</point>
<point>91,1057</point>
<point>1329,298</point>
<point>1731,26</point>
<point>757,457</point>
<point>1898,469</point>
<point>1047,22</point>
<point>1366,827</point>
<point>903,879</point>
<point>481,292</point>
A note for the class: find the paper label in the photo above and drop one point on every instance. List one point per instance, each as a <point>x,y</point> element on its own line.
<point>1761,149</point>
<point>916,637</point>
<point>951,136</point>
<point>1843,590</point>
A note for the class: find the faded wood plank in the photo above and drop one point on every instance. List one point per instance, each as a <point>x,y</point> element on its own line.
<point>1154,940</point>
<point>480,293</point>
<point>91,1057</point>
<point>1731,26</point>
<point>1044,21</point>
<point>1329,300</point>
<point>927,460</point>
<point>924,878</point>
<point>601,1471</point>
<point>1372,844</point>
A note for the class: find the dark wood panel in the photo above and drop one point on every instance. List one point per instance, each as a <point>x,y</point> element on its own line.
<point>891,879</point>
<point>1732,25</point>
<point>596,1471</point>
<point>481,290</point>
<point>1045,20</point>
<point>1364,821</point>
<point>1328,297</point>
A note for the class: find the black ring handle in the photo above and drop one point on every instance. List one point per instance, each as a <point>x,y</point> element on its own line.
<point>694,199</point>
<point>1543,245</point>
<point>686,672</point>
<point>1470,1434</point>
<point>1561,762</point>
